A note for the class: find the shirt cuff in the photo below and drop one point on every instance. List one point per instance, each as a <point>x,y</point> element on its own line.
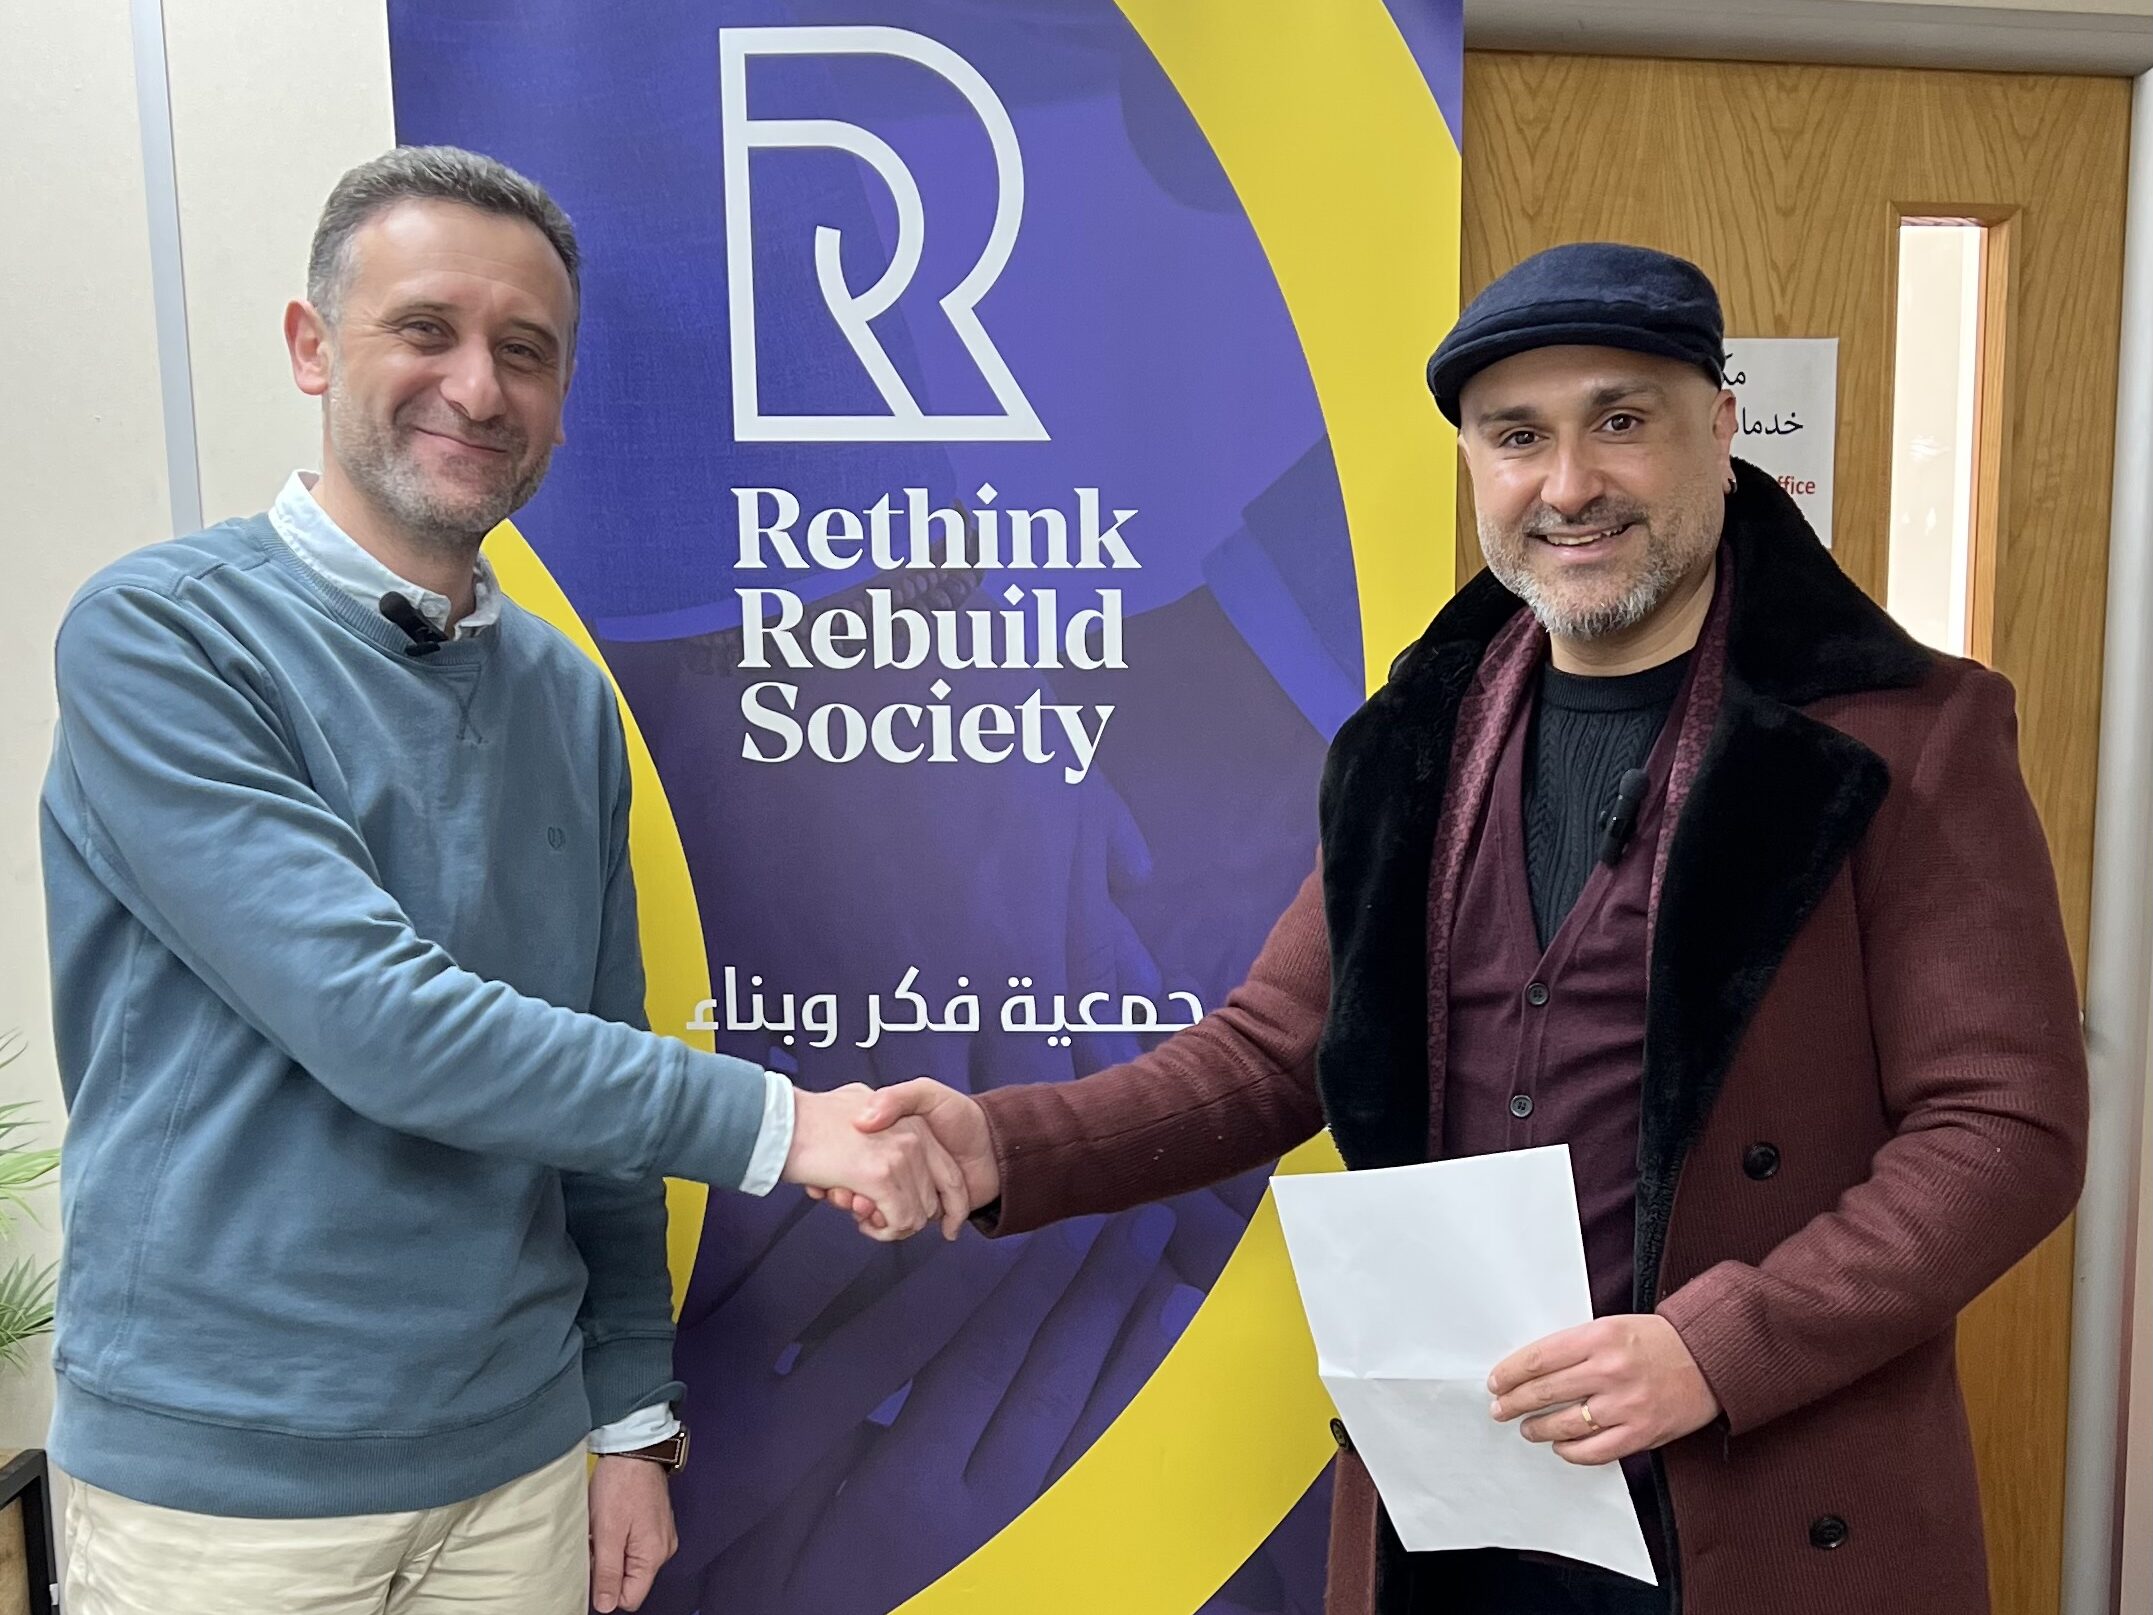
<point>774,1143</point>
<point>645,1427</point>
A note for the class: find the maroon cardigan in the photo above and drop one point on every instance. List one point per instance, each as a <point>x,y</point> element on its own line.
<point>1865,1090</point>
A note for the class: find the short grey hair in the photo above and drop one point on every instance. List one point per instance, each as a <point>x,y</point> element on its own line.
<point>429,174</point>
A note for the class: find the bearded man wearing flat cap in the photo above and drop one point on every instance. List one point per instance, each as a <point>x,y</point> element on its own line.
<point>1664,842</point>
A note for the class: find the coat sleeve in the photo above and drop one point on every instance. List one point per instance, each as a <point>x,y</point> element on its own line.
<point>1233,1091</point>
<point>1974,1012</point>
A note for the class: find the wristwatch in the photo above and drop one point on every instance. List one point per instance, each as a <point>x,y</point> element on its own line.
<point>672,1452</point>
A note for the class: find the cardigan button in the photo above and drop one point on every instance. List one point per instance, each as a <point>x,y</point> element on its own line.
<point>1828,1532</point>
<point>1338,1434</point>
<point>1760,1161</point>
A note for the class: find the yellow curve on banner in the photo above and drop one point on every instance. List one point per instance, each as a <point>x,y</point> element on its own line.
<point>1313,111</point>
<point>676,970</point>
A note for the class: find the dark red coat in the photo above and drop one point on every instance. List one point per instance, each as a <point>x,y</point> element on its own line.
<point>1864,1086</point>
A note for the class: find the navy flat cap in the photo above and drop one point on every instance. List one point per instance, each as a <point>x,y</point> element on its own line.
<point>1597,294</point>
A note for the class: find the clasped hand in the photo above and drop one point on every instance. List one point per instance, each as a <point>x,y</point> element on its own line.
<point>895,1177</point>
<point>947,1128</point>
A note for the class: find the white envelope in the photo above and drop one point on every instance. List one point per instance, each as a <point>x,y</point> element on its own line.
<point>1418,1280</point>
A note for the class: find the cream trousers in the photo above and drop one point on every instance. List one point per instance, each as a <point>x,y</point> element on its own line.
<point>523,1549</point>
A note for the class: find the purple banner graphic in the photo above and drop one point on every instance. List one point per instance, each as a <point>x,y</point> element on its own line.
<point>946,488</point>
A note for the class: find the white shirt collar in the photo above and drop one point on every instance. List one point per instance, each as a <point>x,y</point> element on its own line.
<point>334,556</point>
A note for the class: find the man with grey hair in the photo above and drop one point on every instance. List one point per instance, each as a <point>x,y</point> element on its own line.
<point>364,1241</point>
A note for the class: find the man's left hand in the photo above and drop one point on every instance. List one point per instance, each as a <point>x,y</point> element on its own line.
<point>631,1530</point>
<point>1621,1385</point>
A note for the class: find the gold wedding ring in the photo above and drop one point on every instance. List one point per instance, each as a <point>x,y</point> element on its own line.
<point>1585,1408</point>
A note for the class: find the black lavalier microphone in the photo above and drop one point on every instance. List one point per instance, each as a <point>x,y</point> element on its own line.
<point>1622,818</point>
<point>424,636</point>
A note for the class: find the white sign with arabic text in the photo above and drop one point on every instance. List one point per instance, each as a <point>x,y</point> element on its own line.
<point>1786,392</point>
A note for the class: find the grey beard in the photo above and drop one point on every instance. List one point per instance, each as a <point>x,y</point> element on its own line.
<point>1615,616</point>
<point>1658,580</point>
<point>370,458</point>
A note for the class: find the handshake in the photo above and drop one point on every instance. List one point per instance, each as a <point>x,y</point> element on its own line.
<point>896,1160</point>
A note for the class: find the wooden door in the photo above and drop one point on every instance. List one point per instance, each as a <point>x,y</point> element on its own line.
<point>1787,184</point>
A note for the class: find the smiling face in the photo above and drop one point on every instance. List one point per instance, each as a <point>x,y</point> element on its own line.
<point>1599,482</point>
<point>444,365</point>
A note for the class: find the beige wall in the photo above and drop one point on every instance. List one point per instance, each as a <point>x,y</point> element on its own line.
<point>81,465</point>
<point>2136,1589</point>
<point>2134,485</point>
<point>248,77</point>
<point>2102,8</point>
<point>2054,36</point>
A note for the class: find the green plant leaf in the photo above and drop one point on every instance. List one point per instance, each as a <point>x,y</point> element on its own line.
<point>26,1295</point>
<point>26,1289</point>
